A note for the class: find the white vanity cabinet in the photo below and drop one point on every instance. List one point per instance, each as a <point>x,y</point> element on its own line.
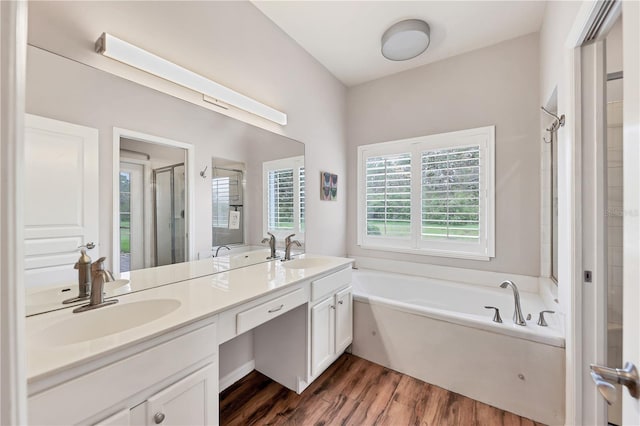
<point>331,319</point>
<point>187,402</point>
<point>173,376</point>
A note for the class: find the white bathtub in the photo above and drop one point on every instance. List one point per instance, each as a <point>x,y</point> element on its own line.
<point>438,331</point>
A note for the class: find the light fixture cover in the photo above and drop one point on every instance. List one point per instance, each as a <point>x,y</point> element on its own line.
<point>406,39</point>
<point>136,57</point>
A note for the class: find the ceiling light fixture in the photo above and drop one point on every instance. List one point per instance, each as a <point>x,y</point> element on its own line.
<point>406,39</point>
<point>114,48</point>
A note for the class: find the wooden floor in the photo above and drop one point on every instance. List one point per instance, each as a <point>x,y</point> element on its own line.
<point>354,391</point>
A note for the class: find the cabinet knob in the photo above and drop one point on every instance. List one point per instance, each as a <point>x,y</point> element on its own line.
<point>158,418</point>
<point>340,302</point>
<point>332,306</point>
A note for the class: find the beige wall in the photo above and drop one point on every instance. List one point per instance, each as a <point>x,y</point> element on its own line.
<point>234,44</point>
<point>497,85</point>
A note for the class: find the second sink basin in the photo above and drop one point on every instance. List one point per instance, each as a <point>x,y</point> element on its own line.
<point>105,321</point>
<point>304,263</point>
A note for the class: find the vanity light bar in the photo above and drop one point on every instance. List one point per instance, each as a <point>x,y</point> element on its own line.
<point>114,48</point>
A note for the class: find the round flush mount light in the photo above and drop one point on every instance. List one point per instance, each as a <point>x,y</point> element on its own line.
<point>405,40</point>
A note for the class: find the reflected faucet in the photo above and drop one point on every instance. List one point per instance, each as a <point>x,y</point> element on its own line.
<point>272,245</point>
<point>287,246</point>
<point>99,277</point>
<point>218,249</point>
<point>517,313</point>
<point>83,265</point>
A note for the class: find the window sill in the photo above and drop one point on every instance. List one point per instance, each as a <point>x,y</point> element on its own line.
<point>425,252</point>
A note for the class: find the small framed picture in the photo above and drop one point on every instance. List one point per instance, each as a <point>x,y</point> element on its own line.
<point>328,186</point>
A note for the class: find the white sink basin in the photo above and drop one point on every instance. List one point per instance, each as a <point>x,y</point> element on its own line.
<point>304,263</point>
<point>105,321</point>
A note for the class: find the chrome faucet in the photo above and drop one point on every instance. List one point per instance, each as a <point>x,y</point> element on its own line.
<point>272,245</point>
<point>99,277</point>
<point>288,242</point>
<point>517,313</point>
<point>218,249</point>
<point>83,265</point>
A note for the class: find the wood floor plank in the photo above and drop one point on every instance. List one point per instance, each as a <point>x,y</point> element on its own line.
<point>356,392</point>
<point>376,398</point>
<point>435,410</point>
<point>487,415</point>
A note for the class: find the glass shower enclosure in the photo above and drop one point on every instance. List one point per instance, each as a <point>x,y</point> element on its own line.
<point>169,214</point>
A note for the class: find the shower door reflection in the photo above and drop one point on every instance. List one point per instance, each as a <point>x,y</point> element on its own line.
<point>169,195</point>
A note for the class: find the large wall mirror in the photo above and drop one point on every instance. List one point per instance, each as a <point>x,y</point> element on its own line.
<point>152,180</point>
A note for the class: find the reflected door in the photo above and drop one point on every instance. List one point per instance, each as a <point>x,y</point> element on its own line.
<point>170,230</point>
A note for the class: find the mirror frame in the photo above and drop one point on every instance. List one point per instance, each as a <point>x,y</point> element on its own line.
<point>119,133</point>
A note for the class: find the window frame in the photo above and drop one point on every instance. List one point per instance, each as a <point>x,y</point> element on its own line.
<point>484,249</point>
<point>295,163</point>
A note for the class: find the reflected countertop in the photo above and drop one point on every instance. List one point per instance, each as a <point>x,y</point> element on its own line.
<point>199,298</point>
<point>49,298</point>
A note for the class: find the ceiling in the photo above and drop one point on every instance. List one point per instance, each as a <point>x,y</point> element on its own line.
<point>344,36</point>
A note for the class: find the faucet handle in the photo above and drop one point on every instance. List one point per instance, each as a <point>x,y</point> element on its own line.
<point>88,246</point>
<point>496,315</point>
<point>98,265</point>
<point>541,320</point>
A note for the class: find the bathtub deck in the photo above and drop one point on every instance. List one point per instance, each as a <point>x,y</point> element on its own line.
<point>356,392</point>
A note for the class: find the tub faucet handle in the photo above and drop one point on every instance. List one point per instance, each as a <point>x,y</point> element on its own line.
<point>541,320</point>
<point>496,315</point>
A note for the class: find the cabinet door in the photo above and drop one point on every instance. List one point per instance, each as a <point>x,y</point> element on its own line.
<point>322,332</point>
<point>344,319</point>
<point>191,401</point>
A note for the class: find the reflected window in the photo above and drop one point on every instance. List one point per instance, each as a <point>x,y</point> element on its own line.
<point>284,197</point>
<point>227,209</point>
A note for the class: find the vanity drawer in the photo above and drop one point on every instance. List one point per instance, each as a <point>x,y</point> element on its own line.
<point>330,283</point>
<point>266,311</point>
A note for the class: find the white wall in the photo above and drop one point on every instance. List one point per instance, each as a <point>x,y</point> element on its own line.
<point>496,85</point>
<point>555,74</point>
<point>234,44</point>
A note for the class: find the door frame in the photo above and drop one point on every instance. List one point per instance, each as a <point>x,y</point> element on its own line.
<point>119,133</point>
<point>584,341</point>
<point>13,58</point>
<point>631,140</point>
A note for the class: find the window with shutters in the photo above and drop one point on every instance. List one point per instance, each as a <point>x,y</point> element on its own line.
<point>430,195</point>
<point>284,197</point>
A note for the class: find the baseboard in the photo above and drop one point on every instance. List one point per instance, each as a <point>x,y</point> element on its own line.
<point>236,375</point>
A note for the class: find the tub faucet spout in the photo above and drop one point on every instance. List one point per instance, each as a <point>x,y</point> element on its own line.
<point>517,313</point>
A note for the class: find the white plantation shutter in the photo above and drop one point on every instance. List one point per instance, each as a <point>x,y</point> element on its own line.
<point>284,197</point>
<point>301,176</point>
<point>388,195</point>
<point>220,193</point>
<point>431,195</point>
<point>451,193</point>
<point>281,211</point>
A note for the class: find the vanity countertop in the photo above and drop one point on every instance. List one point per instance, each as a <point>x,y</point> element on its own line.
<point>198,298</point>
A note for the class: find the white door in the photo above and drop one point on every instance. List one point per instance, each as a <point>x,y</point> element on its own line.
<point>323,335</point>
<point>191,401</point>
<point>344,319</point>
<point>631,243</point>
<point>60,198</point>
<point>593,108</point>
